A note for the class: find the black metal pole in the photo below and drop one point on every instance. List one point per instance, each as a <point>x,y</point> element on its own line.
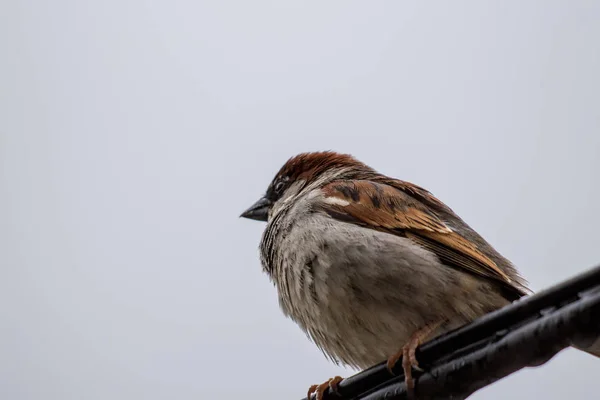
<point>526,333</point>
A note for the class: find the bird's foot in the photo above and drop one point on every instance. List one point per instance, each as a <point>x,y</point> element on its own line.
<point>319,390</point>
<point>409,359</point>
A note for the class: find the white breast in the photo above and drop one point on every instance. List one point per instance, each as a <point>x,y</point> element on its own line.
<point>360,293</point>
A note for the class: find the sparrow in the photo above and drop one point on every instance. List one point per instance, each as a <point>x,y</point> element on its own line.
<point>369,266</point>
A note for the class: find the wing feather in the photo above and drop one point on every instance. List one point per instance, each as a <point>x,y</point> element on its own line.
<point>381,206</point>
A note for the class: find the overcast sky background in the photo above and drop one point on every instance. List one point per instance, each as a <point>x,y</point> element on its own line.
<point>133,133</point>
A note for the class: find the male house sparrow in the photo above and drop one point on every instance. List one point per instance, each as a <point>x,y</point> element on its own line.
<point>370,266</point>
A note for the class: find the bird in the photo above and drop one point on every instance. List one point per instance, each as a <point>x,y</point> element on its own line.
<point>370,266</point>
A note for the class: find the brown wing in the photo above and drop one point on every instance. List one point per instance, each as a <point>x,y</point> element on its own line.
<point>383,207</point>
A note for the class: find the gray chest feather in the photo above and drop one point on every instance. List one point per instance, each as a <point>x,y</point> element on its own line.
<point>358,293</point>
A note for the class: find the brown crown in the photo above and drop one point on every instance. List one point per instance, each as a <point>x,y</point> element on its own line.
<point>310,165</point>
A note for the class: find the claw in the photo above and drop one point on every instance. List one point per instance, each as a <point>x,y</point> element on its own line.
<point>409,359</point>
<point>319,390</point>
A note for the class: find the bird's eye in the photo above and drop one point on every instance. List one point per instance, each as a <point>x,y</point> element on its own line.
<point>279,187</point>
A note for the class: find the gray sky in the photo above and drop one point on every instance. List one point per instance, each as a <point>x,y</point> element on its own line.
<point>132,134</point>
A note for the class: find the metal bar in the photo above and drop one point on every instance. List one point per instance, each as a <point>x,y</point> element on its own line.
<point>528,332</point>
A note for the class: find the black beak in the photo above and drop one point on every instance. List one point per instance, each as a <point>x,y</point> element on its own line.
<point>259,210</point>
